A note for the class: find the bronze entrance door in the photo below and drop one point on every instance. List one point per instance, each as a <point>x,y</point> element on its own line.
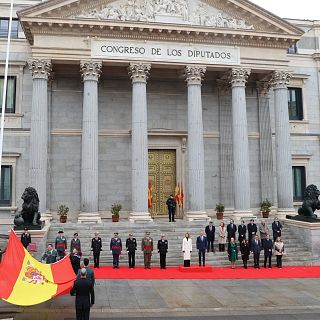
<point>162,176</point>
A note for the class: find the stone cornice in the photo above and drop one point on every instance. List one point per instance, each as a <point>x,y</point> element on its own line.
<point>134,30</point>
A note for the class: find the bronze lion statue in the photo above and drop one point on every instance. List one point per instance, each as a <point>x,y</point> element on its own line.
<point>311,202</point>
<point>29,215</point>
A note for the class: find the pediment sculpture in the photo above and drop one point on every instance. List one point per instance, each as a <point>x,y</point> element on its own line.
<point>166,11</point>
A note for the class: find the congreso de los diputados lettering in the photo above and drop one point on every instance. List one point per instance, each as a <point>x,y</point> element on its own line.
<point>119,101</point>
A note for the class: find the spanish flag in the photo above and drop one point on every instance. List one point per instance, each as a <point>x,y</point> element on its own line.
<point>149,195</point>
<point>24,281</point>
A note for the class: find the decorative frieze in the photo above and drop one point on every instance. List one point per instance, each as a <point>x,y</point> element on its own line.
<point>90,70</point>
<point>167,11</point>
<point>239,76</point>
<point>40,68</point>
<point>280,79</point>
<point>139,72</point>
<point>194,74</point>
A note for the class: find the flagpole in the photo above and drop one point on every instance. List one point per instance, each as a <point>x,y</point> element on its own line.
<point>5,81</point>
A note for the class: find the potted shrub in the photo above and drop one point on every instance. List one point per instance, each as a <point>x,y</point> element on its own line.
<point>63,213</point>
<point>115,209</point>
<point>220,211</point>
<point>265,208</point>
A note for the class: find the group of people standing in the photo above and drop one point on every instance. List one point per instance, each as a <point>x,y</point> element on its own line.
<point>252,240</point>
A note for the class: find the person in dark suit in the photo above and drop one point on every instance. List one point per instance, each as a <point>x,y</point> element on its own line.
<point>252,230</point>
<point>90,273</point>
<point>84,292</point>
<point>96,248</point>
<point>255,249</point>
<point>242,231</point>
<point>202,245</point>
<point>75,260</point>
<point>231,230</point>
<point>131,245</point>
<point>267,247</point>
<point>26,238</point>
<point>276,229</point>
<point>210,233</point>
<point>245,252</point>
<point>50,256</point>
<point>163,249</point>
<point>171,203</point>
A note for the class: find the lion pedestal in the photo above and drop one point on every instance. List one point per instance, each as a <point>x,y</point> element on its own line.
<point>29,216</point>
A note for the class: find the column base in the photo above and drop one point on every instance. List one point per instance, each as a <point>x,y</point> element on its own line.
<point>282,212</point>
<point>89,217</point>
<point>239,215</point>
<point>140,217</point>
<point>196,216</point>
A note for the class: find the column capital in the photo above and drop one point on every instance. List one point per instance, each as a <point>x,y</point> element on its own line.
<point>280,79</point>
<point>263,88</point>
<point>139,71</point>
<point>238,77</point>
<point>194,74</point>
<point>40,68</point>
<point>90,70</point>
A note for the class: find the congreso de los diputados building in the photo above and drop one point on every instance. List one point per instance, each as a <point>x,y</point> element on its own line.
<point>109,101</point>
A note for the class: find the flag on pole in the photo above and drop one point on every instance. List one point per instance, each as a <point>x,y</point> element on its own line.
<point>149,195</point>
<point>177,193</point>
<point>25,281</point>
<point>181,196</point>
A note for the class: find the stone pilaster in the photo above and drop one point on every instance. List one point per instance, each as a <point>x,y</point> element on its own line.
<point>139,73</point>
<point>196,185</point>
<point>279,82</point>
<point>266,154</point>
<point>90,72</point>
<point>40,69</point>
<point>241,170</point>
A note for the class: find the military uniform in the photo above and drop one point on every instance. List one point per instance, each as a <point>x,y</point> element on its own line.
<point>116,248</point>
<point>163,249</point>
<point>50,256</point>
<point>147,248</point>
<point>131,245</point>
<point>96,247</point>
<point>61,245</point>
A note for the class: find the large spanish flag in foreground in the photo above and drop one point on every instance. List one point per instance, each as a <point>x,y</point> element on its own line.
<point>25,281</point>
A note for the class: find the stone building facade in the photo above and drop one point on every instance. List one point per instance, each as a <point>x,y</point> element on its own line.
<point>219,98</point>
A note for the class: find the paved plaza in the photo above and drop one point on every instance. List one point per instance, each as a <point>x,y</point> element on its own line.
<point>172,299</point>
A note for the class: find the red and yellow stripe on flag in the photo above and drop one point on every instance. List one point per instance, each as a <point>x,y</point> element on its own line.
<point>149,195</point>
<point>25,281</point>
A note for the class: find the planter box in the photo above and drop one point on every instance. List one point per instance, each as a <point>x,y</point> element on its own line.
<point>115,218</point>
<point>219,215</point>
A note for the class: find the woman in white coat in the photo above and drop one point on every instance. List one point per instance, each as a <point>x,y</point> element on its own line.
<point>186,249</point>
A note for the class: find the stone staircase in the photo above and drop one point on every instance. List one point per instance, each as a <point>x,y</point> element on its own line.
<point>297,252</point>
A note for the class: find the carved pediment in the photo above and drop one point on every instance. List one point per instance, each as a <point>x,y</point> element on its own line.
<point>213,20</point>
<point>166,11</point>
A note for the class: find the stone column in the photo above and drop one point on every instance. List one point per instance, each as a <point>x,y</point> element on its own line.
<point>241,169</point>
<point>90,71</point>
<point>279,81</point>
<point>266,152</point>
<point>139,73</point>
<point>196,187</point>
<point>40,69</point>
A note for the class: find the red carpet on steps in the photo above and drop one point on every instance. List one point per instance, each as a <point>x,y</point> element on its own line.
<point>156,273</point>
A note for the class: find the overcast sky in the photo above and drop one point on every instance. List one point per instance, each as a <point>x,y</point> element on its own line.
<point>296,9</point>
